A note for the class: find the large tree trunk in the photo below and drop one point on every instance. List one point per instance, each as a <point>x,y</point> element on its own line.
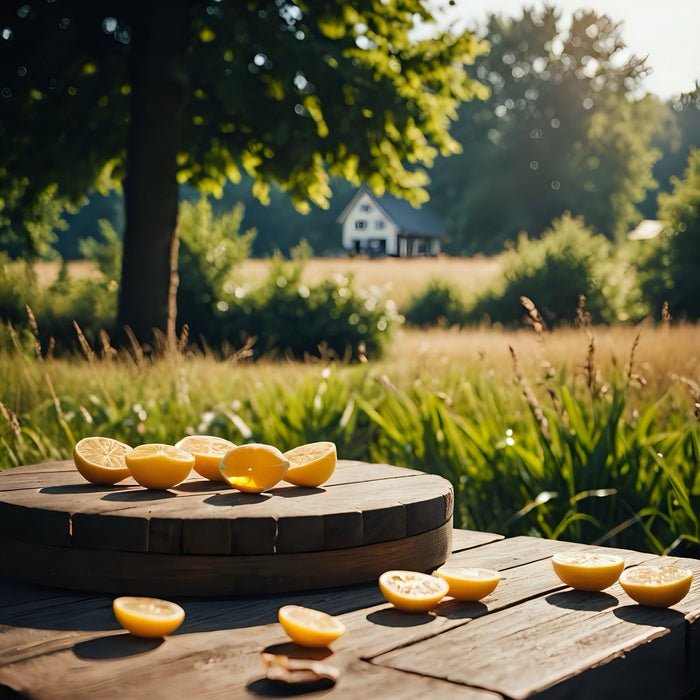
<point>160,31</point>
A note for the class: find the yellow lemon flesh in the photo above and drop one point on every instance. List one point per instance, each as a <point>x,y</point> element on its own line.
<point>659,586</point>
<point>100,460</point>
<point>148,617</point>
<point>208,450</point>
<point>308,627</point>
<point>254,467</point>
<point>311,464</point>
<point>412,591</point>
<point>159,466</point>
<point>469,583</point>
<point>587,571</point>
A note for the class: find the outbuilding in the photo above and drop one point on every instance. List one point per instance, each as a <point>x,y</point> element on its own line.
<point>387,225</point>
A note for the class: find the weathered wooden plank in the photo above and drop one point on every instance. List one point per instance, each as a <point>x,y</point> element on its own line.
<point>531,647</point>
<point>36,524</point>
<point>526,640</point>
<point>466,539</point>
<point>210,575</point>
<point>215,653</point>
<point>526,573</point>
<point>366,504</point>
<point>222,663</point>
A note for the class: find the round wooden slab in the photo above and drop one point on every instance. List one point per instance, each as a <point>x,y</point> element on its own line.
<point>205,538</point>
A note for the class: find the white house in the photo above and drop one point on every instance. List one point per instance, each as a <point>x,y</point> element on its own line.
<point>388,226</point>
<point>648,228</point>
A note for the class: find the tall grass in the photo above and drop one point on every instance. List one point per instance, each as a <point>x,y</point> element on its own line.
<point>589,435</point>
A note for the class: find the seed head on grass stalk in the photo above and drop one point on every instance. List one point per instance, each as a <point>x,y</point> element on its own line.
<point>529,395</point>
<point>35,332</point>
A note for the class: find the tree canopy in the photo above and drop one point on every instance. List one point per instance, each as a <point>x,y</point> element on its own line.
<point>563,130</point>
<point>151,94</point>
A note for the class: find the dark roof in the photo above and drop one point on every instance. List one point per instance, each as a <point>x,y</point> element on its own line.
<point>409,219</point>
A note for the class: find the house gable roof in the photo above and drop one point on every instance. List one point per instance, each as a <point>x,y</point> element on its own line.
<point>421,222</point>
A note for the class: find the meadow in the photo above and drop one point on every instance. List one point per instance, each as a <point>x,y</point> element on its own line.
<point>588,434</point>
<point>402,277</point>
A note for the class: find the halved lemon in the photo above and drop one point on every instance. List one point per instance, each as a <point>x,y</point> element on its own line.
<point>254,467</point>
<point>311,464</point>
<point>159,466</point>
<point>208,450</point>
<point>101,459</point>
<point>587,571</point>
<point>148,617</point>
<point>469,583</point>
<point>412,591</point>
<point>659,586</point>
<point>308,627</point>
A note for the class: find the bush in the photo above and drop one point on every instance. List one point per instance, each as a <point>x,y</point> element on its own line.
<point>439,304</point>
<point>332,318</point>
<point>670,265</point>
<point>554,271</point>
<point>210,249</point>
<point>18,287</point>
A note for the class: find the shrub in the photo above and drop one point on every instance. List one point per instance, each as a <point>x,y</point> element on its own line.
<point>18,287</point>
<point>439,304</point>
<point>670,266</point>
<point>554,271</point>
<point>210,249</point>
<point>288,317</point>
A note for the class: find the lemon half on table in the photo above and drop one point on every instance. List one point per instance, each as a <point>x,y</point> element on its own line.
<point>308,627</point>
<point>412,591</point>
<point>311,464</point>
<point>586,570</point>
<point>208,451</point>
<point>253,467</point>
<point>159,466</point>
<point>101,460</point>
<point>147,617</point>
<point>469,583</point>
<point>658,586</point>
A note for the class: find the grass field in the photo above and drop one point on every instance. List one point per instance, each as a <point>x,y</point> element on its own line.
<point>403,276</point>
<point>588,434</point>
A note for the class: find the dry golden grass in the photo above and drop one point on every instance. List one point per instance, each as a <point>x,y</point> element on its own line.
<point>658,355</point>
<point>47,272</point>
<point>404,276</point>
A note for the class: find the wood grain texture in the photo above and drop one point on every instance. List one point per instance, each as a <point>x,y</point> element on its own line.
<point>145,573</point>
<point>60,529</point>
<point>532,637</point>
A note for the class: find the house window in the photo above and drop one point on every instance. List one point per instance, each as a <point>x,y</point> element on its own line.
<point>379,224</point>
<point>365,207</point>
<point>360,224</point>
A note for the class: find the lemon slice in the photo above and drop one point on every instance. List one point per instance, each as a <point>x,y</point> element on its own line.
<point>469,583</point>
<point>208,450</point>
<point>148,617</point>
<point>159,466</point>
<point>659,586</point>
<point>412,591</point>
<point>254,467</point>
<point>101,459</point>
<point>308,627</point>
<point>587,571</point>
<point>311,464</point>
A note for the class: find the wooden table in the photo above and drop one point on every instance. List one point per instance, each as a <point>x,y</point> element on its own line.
<point>532,637</point>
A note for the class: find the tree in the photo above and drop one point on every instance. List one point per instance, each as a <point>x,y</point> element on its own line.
<point>152,94</point>
<point>670,262</point>
<point>561,131</point>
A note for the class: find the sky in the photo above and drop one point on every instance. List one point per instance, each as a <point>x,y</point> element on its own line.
<point>667,31</point>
